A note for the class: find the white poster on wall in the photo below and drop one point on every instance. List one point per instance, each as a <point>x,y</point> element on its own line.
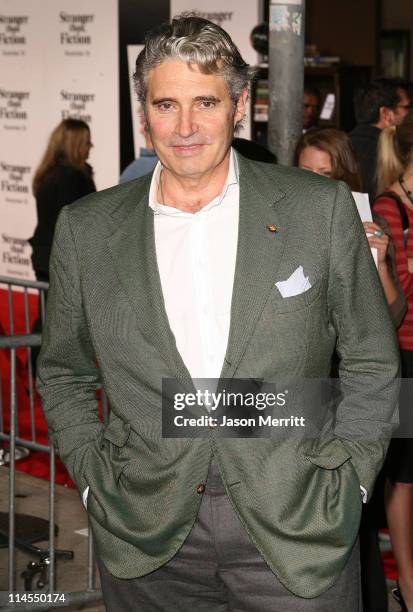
<point>83,46</point>
<point>22,127</point>
<point>57,59</point>
<point>237,18</point>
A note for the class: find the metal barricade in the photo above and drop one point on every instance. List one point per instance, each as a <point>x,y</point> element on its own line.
<point>23,287</point>
<point>46,565</point>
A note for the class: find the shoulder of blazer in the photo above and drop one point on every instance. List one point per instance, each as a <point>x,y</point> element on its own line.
<point>286,178</point>
<point>305,193</point>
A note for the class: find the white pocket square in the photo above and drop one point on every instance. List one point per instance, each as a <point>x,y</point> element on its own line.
<point>294,285</point>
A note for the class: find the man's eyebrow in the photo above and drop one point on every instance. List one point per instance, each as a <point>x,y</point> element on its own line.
<point>207,99</point>
<point>156,101</point>
<point>161,100</point>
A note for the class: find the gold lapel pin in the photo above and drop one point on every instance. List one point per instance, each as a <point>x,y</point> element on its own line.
<point>272,228</point>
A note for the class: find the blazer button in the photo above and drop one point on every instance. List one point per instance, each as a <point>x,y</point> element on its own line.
<point>200,488</point>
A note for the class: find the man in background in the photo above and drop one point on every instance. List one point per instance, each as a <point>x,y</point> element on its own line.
<point>380,104</point>
<point>311,108</point>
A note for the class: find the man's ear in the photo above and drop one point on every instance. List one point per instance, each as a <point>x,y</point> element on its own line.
<point>241,107</point>
<point>387,117</point>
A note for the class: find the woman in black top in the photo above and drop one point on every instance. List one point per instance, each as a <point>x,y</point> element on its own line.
<point>62,177</point>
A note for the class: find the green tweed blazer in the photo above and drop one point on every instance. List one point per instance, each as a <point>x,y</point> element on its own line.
<point>298,497</point>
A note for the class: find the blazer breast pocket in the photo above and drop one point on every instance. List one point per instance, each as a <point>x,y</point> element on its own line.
<point>296,302</point>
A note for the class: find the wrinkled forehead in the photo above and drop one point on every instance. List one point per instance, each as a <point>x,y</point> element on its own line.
<point>175,77</point>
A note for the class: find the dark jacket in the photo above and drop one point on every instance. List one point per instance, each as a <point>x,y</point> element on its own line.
<point>64,185</point>
<point>365,139</point>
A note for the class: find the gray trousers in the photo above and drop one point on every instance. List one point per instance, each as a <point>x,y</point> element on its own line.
<point>218,569</point>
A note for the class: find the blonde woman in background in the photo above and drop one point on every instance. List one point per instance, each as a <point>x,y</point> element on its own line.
<point>62,177</point>
<point>395,205</point>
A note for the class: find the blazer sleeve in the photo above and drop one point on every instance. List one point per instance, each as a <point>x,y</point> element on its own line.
<point>366,344</point>
<point>68,375</point>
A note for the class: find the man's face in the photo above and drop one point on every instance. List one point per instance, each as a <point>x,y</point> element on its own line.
<point>190,117</point>
<point>402,107</point>
<point>310,115</point>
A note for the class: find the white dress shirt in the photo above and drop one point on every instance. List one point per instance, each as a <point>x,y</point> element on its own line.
<point>196,254</point>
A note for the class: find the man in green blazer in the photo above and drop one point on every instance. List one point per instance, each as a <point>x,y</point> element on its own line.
<point>216,267</point>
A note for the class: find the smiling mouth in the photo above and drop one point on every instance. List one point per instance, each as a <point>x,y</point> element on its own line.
<point>187,150</point>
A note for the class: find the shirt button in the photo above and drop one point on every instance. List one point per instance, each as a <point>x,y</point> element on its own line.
<point>200,488</point>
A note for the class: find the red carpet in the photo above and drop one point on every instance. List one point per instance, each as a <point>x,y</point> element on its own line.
<point>37,463</point>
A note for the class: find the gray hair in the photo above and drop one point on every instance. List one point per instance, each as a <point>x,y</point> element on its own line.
<point>194,40</point>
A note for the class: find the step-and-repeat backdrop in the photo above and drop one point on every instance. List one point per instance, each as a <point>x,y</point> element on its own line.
<point>60,59</point>
<point>57,59</point>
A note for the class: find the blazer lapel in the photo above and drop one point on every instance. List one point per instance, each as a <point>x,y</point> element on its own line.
<point>134,256</point>
<point>259,254</point>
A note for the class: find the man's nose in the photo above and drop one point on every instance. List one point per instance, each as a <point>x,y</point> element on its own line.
<point>186,123</point>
